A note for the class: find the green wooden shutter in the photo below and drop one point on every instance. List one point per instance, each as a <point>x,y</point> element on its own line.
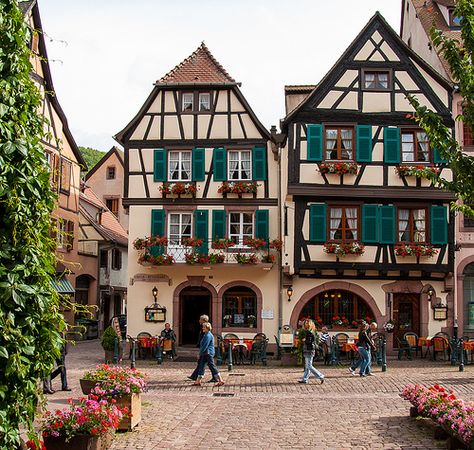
<point>387,224</point>
<point>159,164</point>
<point>157,229</point>
<point>370,224</point>
<point>218,224</point>
<point>317,222</point>
<point>220,164</point>
<point>364,143</point>
<point>391,144</point>
<point>314,136</point>
<point>437,158</point>
<point>199,162</point>
<point>439,225</point>
<point>261,224</point>
<point>259,163</point>
<point>201,220</point>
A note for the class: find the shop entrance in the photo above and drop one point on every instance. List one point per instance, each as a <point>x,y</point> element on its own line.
<point>194,302</point>
<point>406,315</point>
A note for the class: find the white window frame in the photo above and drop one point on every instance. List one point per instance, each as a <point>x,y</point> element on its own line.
<point>239,166</point>
<point>208,95</point>
<point>61,234</point>
<point>177,250</point>
<point>180,164</point>
<point>185,100</point>
<point>241,236</point>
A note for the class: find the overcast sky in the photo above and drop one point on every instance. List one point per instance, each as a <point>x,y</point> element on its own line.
<point>105,55</point>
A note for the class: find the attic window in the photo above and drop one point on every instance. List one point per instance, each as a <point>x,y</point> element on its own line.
<point>454,21</point>
<point>376,80</point>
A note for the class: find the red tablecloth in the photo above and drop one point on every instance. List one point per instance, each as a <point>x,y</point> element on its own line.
<point>247,342</point>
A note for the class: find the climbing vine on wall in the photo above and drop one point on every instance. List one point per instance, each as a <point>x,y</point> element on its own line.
<point>30,318</point>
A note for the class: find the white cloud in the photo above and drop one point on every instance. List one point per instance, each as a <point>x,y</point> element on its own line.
<point>117,49</point>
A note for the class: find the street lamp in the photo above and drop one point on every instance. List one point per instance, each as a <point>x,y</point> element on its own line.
<point>289,293</point>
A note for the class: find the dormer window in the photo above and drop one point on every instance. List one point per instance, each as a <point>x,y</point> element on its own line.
<point>376,80</point>
<point>188,102</point>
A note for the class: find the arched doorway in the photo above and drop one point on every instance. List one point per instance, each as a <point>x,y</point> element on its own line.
<point>194,301</point>
<point>337,308</point>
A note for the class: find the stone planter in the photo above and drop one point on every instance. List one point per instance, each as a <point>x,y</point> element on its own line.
<point>88,385</point>
<point>134,404</point>
<point>80,442</point>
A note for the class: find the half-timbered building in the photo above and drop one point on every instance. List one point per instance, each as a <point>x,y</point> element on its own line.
<point>418,17</point>
<point>366,236</point>
<point>201,186</point>
<point>63,156</point>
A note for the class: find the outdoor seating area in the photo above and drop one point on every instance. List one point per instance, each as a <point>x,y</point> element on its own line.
<point>232,349</point>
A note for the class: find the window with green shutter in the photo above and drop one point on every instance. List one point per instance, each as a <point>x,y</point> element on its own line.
<point>314,136</point>
<point>220,164</point>
<point>439,225</point>
<point>364,143</point>
<point>437,158</point>
<point>391,144</point>
<point>261,224</point>
<point>218,224</point>
<point>259,163</point>
<point>387,224</point>
<point>370,224</point>
<point>317,222</point>
<point>157,229</point>
<point>201,227</point>
<point>159,164</point>
<point>199,162</point>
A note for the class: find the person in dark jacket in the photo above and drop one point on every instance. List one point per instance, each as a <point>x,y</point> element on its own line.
<point>206,356</point>
<point>60,370</point>
<point>309,350</point>
<point>168,335</point>
<point>372,334</point>
<point>364,345</point>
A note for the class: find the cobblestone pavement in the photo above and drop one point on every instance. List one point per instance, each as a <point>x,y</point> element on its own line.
<point>267,408</point>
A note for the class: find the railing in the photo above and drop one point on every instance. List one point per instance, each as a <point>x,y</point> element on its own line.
<point>201,252</point>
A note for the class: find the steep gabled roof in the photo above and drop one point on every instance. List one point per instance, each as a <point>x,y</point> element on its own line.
<point>429,15</point>
<point>199,67</point>
<point>376,22</point>
<point>104,158</point>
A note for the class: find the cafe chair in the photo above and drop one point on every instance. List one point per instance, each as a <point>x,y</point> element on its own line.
<point>404,348</point>
<point>412,339</point>
<point>338,341</point>
<point>258,351</point>
<point>144,344</point>
<point>441,345</point>
<point>227,343</point>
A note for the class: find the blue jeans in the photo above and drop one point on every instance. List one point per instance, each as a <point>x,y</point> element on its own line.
<point>209,360</point>
<point>308,367</point>
<point>365,360</point>
<point>359,362</point>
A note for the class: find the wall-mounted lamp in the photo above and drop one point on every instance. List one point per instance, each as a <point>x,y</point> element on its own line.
<point>430,295</point>
<point>154,291</point>
<point>289,293</point>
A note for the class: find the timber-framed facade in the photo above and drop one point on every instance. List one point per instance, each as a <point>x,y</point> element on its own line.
<point>366,236</point>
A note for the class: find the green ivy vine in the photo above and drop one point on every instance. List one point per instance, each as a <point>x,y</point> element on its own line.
<point>30,317</point>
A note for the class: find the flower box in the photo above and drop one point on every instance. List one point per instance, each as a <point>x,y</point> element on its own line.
<point>151,241</point>
<point>88,385</point>
<point>255,243</point>
<point>339,168</point>
<point>178,189</point>
<point>78,442</point>
<point>246,259</point>
<point>191,242</point>
<point>159,260</point>
<point>196,258</point>
<point>418,250</point>
<point>418,171</point>
<point>344,248</point>
<point>134,406</point>
<point>238,187</point>
<point>222,244</point>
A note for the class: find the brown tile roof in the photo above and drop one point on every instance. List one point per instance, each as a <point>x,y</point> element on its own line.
<point>109,227</point>
<point>429,14</point>
<point>299,88</point>
<point>199,67</point>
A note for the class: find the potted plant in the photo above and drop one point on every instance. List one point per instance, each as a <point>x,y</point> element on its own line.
<point>339,168</point>
<point>418,171</point>
<point>123,386</point>
<point>414,249</point>
<point>85,425</point>
<point>246,259</point>
<point>222,243</point>
<point>108,342</point>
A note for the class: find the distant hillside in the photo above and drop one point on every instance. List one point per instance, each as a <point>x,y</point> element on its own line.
<point>91,155</point>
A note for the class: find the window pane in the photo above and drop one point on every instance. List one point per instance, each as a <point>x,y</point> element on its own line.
<point>204,101</point>
<point>188,102</point>
<point>331,134</point>
<point>369,80</point>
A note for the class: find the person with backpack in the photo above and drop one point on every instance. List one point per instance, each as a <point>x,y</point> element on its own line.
<point>310,343</point>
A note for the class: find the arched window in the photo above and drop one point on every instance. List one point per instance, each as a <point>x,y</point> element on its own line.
<point>469,296</point>
<point>341,309</point>
<point>239,308</point>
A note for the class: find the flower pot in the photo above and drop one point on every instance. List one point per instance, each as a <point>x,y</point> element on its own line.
<point>109,355</point>
<point>88,385</point>
<point>134,405</point>
<point>80,442</point>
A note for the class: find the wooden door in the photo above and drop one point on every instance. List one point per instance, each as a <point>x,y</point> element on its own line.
<point>194,303</point>
<point>406,314</point>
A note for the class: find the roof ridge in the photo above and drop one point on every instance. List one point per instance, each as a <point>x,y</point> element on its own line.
<point>201,48</point>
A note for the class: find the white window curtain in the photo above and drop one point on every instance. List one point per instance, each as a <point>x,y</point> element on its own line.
<point>419,234</point>
<point>336,223</point>
<point>351,218</point>
<point>404,232</point>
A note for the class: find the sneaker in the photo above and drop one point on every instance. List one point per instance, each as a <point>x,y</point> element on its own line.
<point>369,374</point>
<point>191,378</point>
<point>303,381</point>
<point>351,371</point>
<point>362,375</point>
